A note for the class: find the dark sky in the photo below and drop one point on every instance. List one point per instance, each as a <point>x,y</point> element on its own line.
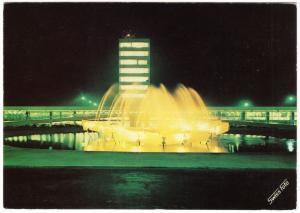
<point>55,52</point>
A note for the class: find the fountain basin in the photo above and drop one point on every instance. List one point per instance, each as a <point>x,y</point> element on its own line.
<point>114,137</point>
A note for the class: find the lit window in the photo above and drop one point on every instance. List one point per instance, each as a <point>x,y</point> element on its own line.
<point>142,62</point>
<point>134,53</point>
<point>134,87</point>
<point>134,70</point>
<point>256,116</point>
<point>128,62</point>
<point>140,44</point>
<point>280,116</point>
<point>125,44</point>
<point>134,44</point>
<point>133,79</point>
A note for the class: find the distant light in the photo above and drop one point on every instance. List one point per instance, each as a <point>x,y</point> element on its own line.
<point>290,145</point>
<point>246,104</point>
<point>291,99</point>
<point>82,98</point>
<point>90,102</point>
<point>95,104</point>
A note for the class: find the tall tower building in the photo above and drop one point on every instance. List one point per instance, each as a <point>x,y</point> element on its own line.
<point>134,66</point>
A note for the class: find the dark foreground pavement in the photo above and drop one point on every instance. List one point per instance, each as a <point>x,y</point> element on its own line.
<point>147,188</point>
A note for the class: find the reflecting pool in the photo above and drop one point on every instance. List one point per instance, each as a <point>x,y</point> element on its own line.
<point>225,143</point>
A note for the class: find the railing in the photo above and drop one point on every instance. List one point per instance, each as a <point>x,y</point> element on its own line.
<point>286,115</point>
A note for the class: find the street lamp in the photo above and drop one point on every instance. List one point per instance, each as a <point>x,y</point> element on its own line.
<point>290,99</point>
<point>246,103</point>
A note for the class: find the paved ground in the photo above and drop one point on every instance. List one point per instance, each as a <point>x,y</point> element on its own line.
<point>38,158</point>
<point>41,178</point>
<point>147,188</point>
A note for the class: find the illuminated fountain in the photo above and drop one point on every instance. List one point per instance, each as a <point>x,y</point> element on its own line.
<point>157,121</point>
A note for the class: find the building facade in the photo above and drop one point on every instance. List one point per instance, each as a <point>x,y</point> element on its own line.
<point>134,66</point>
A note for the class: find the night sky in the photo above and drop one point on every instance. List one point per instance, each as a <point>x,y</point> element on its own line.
<point>55,52</point>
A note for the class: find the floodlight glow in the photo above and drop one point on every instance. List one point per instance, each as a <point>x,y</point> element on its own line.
<point>134,53</point>
<point>154,121</point>
<point>134,79</point>
<point>246,103</point>
<point>82,98</point>
<point>134,70</point>
<point>291,99</point>
<point>90,102</point>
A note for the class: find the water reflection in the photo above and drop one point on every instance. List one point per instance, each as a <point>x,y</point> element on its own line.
<point>256,143</point>
<point>290,145</point>
<point>224,143</point>
<point>69,141</point>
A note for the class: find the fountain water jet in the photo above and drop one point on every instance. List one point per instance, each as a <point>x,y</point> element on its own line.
<point>155,122</point>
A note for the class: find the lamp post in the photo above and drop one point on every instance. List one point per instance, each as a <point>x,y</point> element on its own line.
<point>290,100</point>
<point>246,103</point>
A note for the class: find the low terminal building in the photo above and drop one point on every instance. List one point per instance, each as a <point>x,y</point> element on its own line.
<point>280,115</point>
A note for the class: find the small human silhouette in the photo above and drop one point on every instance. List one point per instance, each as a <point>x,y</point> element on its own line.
<point>163,142</point>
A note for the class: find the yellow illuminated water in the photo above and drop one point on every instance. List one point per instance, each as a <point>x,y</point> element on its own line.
<point>157,121</point>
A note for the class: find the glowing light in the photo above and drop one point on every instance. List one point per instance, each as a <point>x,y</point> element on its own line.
<point>134,53</point>
<point>128,62</point>
<point>134,44</point>
<point>203,126</point>
<point>134,87</point>
<point>291,99</point>
<point>134,70</point>
<point>125,44</point>
<point>246,103</point>
<point>133,79</point>
<point>140,44</point>
<point>181,137</point>
<point>142,62</point>
<point>290,145</point>
<point>82,98</point>
<point>136,149</point>
<point>180,149</point>
<point>154,121</point>
<point>185,127</point>
<point>95,104</point>
<point>133,62</point>
<point>90,102</point>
